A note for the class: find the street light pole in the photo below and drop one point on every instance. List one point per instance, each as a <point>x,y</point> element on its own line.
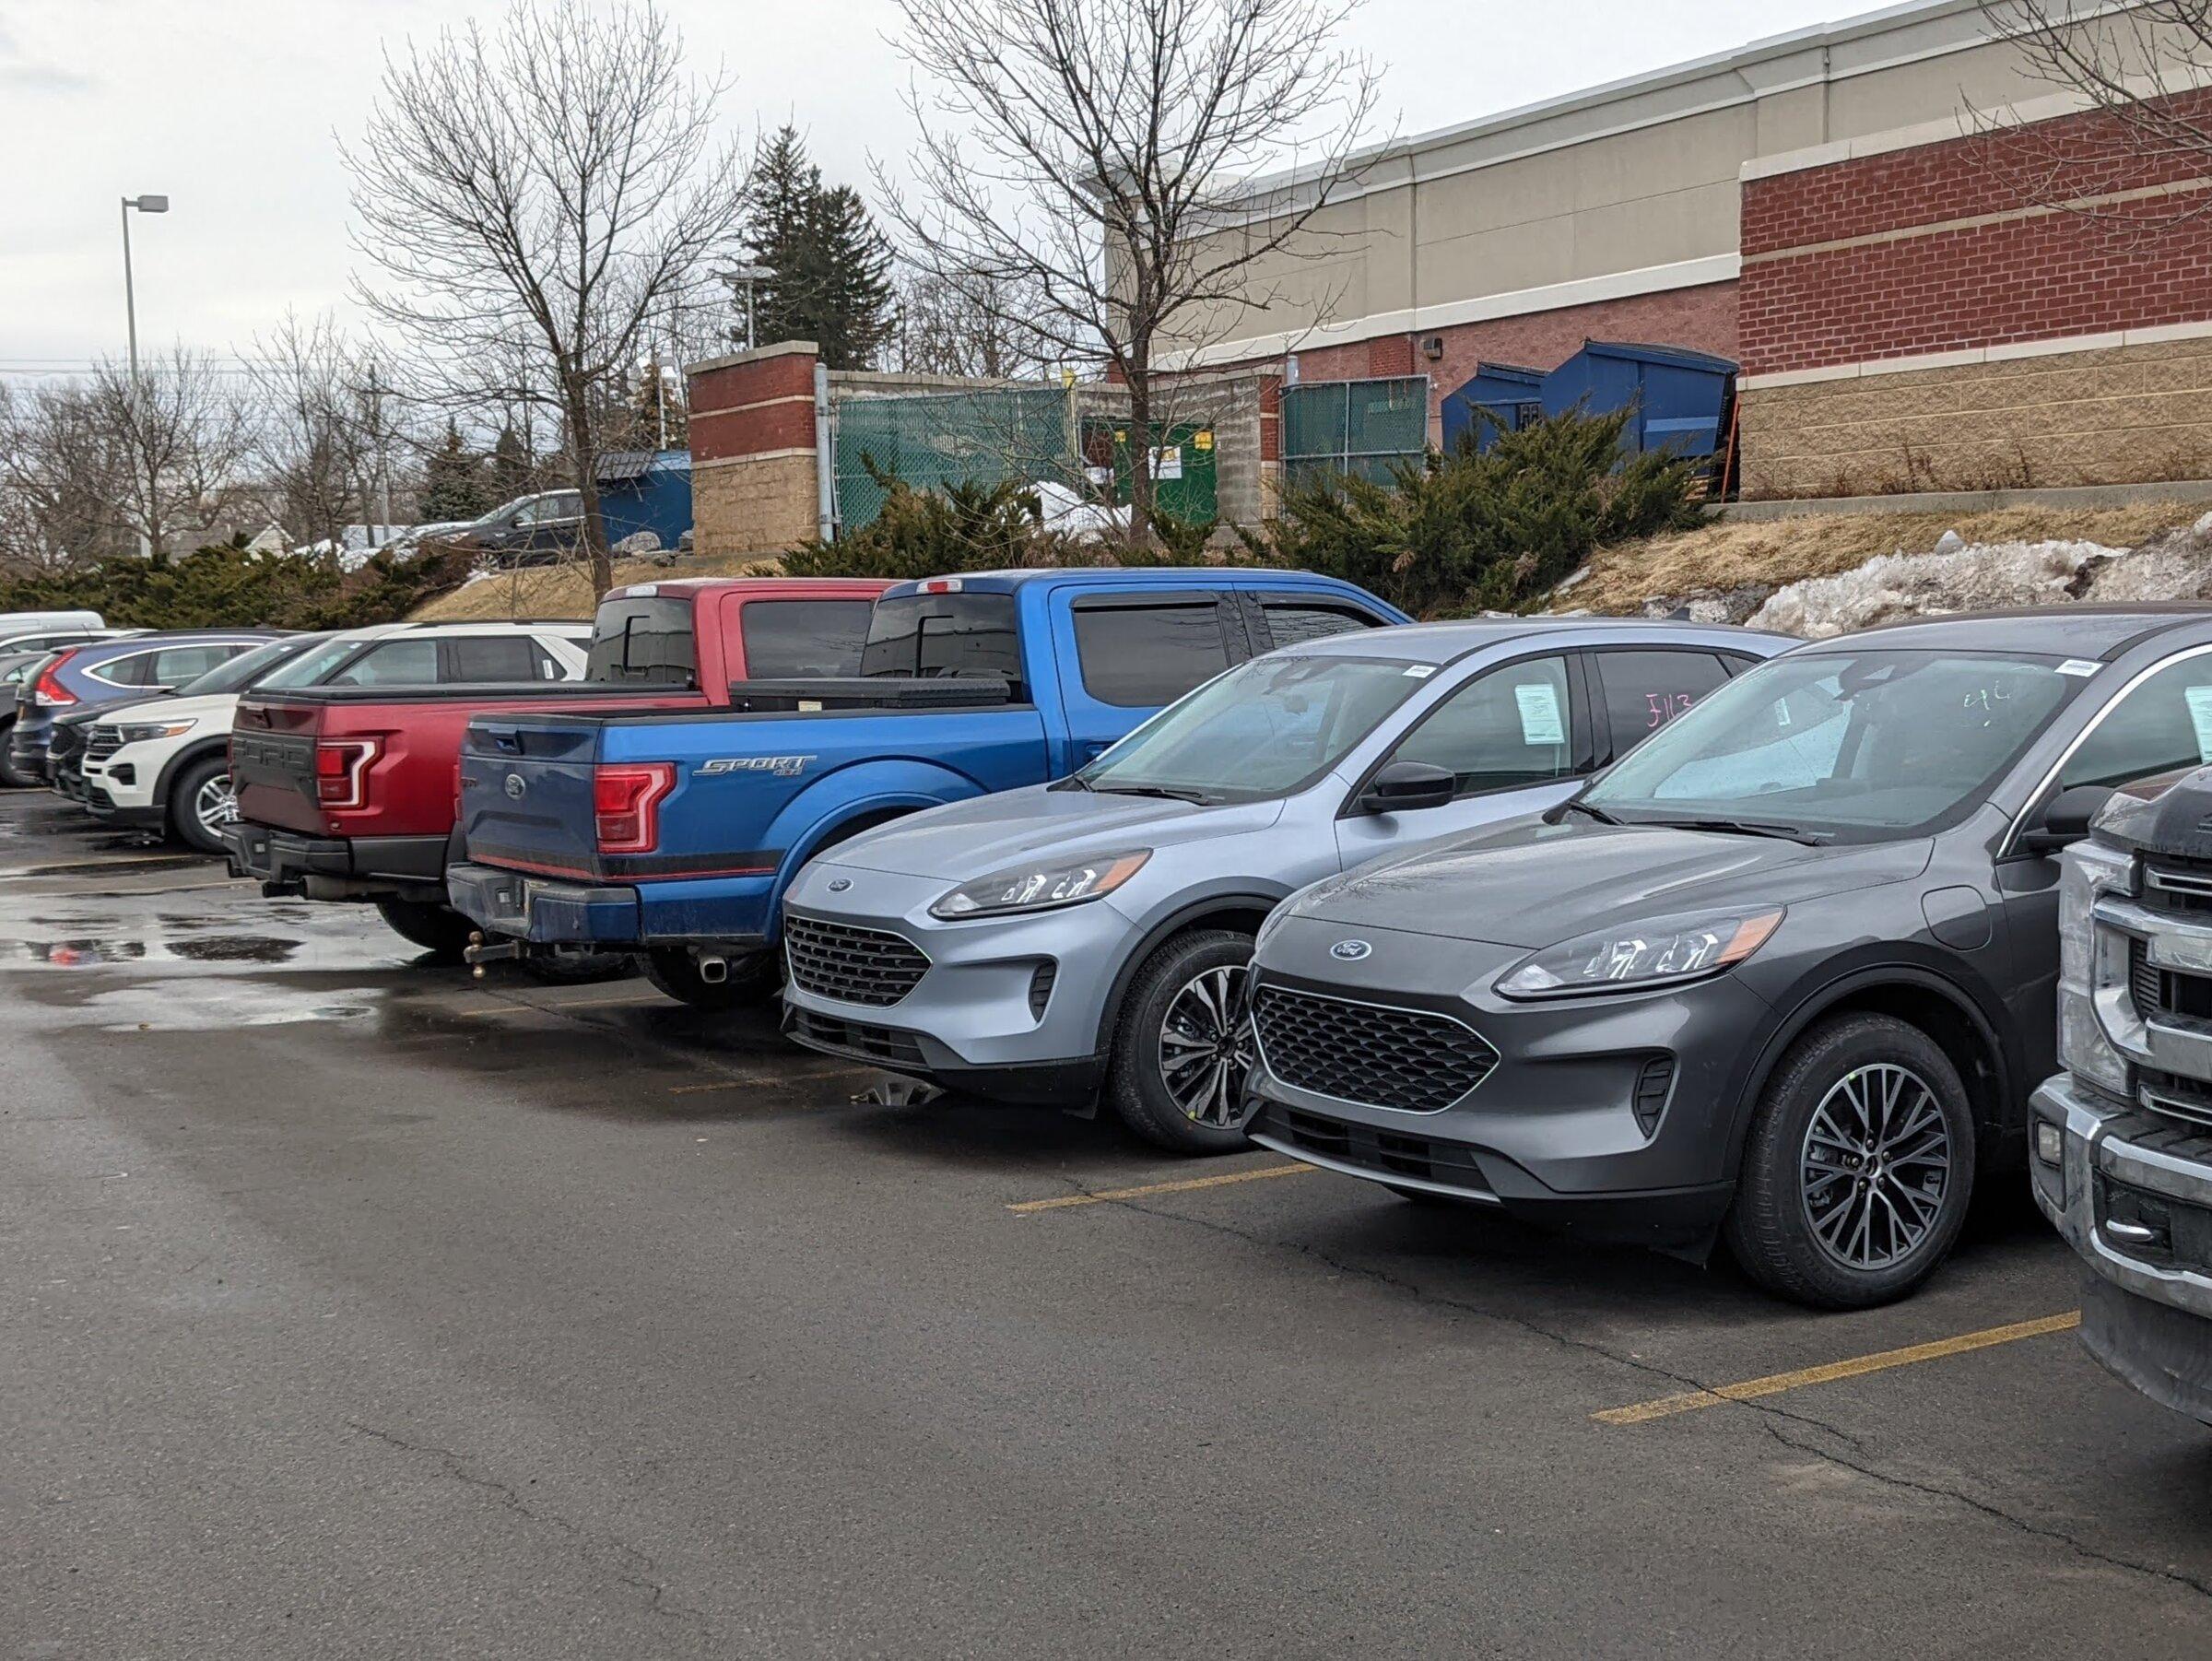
<point>145,204</point>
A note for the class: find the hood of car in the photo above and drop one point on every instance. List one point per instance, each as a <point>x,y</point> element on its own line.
<point>1533,884</point>
<point>970,839</point>
<point>209,706</point>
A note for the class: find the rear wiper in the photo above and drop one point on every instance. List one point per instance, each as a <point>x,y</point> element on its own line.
<point>1172,792</point>
<point>1742,827</point>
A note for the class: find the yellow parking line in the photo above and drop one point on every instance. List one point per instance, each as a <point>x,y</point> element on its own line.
<point>1061,1201</point>
<point>1776,1382</point>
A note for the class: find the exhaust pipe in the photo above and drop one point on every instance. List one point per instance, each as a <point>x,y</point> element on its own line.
<point>714,971</point>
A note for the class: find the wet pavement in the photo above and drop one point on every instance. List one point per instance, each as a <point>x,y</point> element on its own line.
<point>353,1307</point>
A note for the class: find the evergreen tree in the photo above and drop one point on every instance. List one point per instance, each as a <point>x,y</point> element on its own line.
<point>514,471</point>
<point>830,266</point>
<point>453,483</point>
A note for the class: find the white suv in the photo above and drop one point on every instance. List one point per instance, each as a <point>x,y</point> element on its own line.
<point>164,765</point>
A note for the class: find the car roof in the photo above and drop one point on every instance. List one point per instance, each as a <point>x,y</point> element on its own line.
<point>124,645</point>
<point>2101,633</point>
<point>457,628</point>
<point>1142,576</point>
<point>863,587</point>
<point>1447,642</point>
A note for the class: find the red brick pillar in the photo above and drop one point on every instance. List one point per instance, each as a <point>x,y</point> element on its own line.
<point>754,488</point>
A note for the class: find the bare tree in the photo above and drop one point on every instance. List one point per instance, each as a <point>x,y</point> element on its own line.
<point>2143,71</point>
<point>179,433</point>
<point>313,435</point>
<point>976,328</point>
<point>60,480</point>
<point>1088,159</point>
<point>535,203</point>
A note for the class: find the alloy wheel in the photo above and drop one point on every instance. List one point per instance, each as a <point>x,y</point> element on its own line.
<point>1205,1046</point>
<point>215,804</point>
<point>1875,1166</point>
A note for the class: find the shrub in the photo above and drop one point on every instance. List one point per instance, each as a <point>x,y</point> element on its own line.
<point>1469,532</point>
<point>225,586</point>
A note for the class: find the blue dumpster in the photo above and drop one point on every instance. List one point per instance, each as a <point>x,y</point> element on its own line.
<point>1678,394</point>
<point>646,491</point>
<point>1499,398</point>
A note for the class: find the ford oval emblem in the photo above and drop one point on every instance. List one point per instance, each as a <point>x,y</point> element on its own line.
<point>516,786</point>
<point>1351,951</point>
<point>838,885</point>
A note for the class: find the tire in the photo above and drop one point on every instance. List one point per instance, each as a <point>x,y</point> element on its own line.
<point>199,801</point>
<point>1191,1103</point>
<point>750,984</point>
<point>1827,1212</point>
<point>437,929</point>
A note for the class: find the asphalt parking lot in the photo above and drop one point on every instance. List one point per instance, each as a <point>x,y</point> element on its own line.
<point>358,1308</point>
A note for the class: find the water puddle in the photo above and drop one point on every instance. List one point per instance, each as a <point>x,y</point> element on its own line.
<point>189,1006</point>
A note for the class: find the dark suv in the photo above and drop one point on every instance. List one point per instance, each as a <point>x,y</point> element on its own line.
<point>1785,976</point>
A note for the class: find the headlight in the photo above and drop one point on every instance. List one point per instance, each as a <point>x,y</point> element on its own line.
<point>1042,887</point>
<point>147,732</point>
<point>2088,871</point>
<point>1659,951</point>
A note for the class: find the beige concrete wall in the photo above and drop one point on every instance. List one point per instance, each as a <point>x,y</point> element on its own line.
<point>2120,414</point>
<point>754,504</point>
<point>1634,180</point>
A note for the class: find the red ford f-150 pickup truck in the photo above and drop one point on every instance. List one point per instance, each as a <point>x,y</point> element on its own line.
<point>347,793</point>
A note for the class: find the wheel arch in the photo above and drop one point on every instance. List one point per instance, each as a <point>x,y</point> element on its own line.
<point>189,755</point>
<point>1919,997</point>
<point>1244,910</point>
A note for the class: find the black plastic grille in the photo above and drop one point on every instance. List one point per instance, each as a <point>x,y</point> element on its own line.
<point>2173,1096</point>
<point>2177,887</point>
<point>1369,1053</point>
<point>853,965</point>
<point>1654,1083</point>
<point>1385,1153</point>
<point>885,1044</point>
<point>66,741</point>
<point>2167,992</point>
<point>1040,988</point>
<point>104,742</point>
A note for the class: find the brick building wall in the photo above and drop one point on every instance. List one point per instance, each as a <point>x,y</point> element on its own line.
<point>1923,317</point>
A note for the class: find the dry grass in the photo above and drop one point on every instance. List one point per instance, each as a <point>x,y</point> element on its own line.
<point>1776,552</point>
<point>565,591</point>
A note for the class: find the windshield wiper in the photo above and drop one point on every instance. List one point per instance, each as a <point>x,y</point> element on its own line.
<point>1742,827</point>
<point>1172,792</point>
<point>1578,805</point>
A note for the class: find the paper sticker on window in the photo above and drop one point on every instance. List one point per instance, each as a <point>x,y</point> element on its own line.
<point>2081,667</point>
<point>1419,671</point>
<point>2200,717</point>
<point>1541,722</point>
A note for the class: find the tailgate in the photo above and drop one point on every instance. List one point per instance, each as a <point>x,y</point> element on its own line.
<point>526,795</point>
<point>273,764</point>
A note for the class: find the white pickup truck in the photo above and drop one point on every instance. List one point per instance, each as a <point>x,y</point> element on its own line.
<point>2123,1139</point>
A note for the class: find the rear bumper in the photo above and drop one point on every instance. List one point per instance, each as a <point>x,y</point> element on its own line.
<point>334,867</point>
<point>540,909</point>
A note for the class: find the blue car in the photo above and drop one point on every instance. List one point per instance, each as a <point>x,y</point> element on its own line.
<point>130,669</point>
<point>676,835</point>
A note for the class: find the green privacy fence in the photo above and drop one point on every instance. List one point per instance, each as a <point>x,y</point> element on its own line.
<point>1358,427</point>
<point>937,439</point>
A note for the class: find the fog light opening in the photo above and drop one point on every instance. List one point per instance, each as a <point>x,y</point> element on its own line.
<point>2050,1143</point>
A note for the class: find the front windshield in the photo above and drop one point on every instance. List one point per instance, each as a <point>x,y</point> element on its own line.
<point>1261,730</point>
<point>241,671</point>
<point>1842,746</point>
<point>310,668</point>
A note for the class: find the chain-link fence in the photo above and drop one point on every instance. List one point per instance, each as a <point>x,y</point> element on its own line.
<point>934,441</point>
<point>1358,427</point>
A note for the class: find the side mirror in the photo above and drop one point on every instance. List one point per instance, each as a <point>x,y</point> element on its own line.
<point>2065,818</point>
<point>1402,786</point>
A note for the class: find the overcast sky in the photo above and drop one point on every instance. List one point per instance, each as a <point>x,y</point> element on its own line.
<point>233,108</point>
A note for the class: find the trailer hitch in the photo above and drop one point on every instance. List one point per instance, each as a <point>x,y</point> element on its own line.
<point>479,951</point>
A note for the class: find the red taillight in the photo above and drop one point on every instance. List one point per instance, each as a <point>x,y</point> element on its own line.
<point>48,691</point>
<point>626,805</point>
<point>342,771</point>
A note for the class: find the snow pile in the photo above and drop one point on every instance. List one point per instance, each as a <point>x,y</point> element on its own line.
<point>1962,576</point>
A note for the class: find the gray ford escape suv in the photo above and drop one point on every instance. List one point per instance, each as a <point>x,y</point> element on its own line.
<point>1783,976</point>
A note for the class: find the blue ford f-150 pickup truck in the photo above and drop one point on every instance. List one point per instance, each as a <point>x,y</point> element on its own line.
<point>676,835</point>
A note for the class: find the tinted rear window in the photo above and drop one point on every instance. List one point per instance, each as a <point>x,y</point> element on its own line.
<point>1147,656</point>
<point>493,657</point>
<point>945,635</point>
<point>787,639</point>
<point>644,639</point>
